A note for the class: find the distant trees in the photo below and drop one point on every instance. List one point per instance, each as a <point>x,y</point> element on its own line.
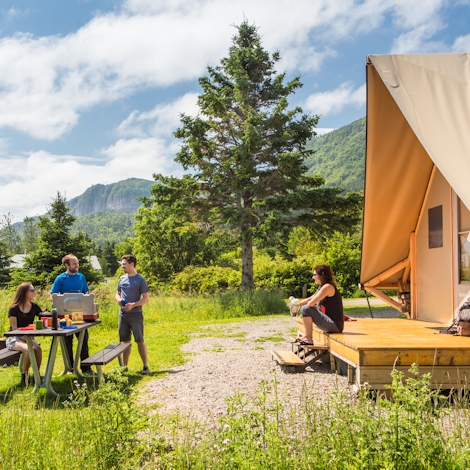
<point>54,242</point>
<point>9,234</point>
<point>111,227</point>
<point>246,150</point>
<point>108,259</point>
<point>30,234</point>
<point>4,264</point>
<point>170,237</point>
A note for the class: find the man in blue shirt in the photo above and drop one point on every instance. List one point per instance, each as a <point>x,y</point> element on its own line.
<point>72,281</point>
<point>132,293</point>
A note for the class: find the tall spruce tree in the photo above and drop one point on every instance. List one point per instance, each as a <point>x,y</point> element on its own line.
<point>246,150</point>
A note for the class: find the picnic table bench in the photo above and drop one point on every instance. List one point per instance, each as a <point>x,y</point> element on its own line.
<point>105,356</point>
<point>9,357</point>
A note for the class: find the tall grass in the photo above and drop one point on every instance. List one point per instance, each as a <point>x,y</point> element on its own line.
<point>88,431</point>
<point>104,427</point>
<point>415,429</point>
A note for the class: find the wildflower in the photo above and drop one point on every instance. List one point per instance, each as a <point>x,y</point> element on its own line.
<point>226,441</point>
<point>226,426</point>
<point>75,382</point>
<point>84,384</point>
<point>263,447</point>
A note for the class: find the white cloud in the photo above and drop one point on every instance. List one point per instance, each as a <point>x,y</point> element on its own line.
<point>47,82</point>
<point>29,183</point>
<point>161,120</point>
<point>462,44</point>
<point>332,102</point>
<point>417,40</point>
<point>138,157</point>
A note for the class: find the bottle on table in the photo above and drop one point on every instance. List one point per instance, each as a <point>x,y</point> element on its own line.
<point>55,319</point>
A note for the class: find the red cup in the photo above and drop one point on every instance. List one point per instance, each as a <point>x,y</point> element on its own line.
<point>44,322</point>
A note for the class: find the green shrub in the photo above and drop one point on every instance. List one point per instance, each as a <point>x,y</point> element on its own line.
<point>280,274</point>
<point>206,280</point>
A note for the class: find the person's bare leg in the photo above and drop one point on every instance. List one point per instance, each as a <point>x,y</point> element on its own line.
<point>23,347</point>
<point>38,354</point>
<point>308,324</point>
<point>143,352</point>
<point>126,354</point>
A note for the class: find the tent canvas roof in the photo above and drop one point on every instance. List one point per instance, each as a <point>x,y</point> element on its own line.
<point>418,116</point>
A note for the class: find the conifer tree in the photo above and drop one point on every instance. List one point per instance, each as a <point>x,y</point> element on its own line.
<point>54,242</point>
<point>4,264</point>
<point>246,151</point>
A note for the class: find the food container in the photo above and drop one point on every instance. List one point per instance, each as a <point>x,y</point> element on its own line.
<point>38,324</point>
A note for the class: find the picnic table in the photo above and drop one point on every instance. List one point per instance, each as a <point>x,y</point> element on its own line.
<point>58,337</point>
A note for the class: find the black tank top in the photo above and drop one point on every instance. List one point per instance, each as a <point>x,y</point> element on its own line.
<point>333,307</point>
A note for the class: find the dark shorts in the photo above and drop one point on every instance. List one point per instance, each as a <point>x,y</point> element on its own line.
<point>324,322</point>
<point>131,323</point>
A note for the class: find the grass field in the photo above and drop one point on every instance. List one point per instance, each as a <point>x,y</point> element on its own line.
<point>105,428</point>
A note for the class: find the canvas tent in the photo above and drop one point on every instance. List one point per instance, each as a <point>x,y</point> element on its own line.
<point>417,184</point>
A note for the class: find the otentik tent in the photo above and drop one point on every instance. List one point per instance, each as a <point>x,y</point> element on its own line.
<point>417,181</point>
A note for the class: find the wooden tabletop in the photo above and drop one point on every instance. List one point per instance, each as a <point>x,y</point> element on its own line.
<point>50,332</point>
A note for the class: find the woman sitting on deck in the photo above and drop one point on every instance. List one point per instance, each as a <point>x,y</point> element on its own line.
<point>324,308</point>
<point>22,313</point>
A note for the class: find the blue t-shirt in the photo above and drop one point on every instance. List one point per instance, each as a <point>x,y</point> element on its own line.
<point>65,283</point>
<point>132,288</point>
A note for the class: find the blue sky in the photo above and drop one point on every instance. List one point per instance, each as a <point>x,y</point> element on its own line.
<point>90,92</point>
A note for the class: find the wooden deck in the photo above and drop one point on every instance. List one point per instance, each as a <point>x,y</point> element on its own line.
<point>373,347</point>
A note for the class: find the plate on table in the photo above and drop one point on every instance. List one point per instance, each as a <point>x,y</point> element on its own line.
<point>28,328</point>
<point>71,327</point>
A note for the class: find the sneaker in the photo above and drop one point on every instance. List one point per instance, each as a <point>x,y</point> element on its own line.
<point>87,370</point>
<point>145,370</point>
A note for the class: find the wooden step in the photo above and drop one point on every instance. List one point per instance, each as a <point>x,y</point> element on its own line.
<point>287,358</point>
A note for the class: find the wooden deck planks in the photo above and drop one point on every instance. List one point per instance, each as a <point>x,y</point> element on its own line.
<point>374,346</point>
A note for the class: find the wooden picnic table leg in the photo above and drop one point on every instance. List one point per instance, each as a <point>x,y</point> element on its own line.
<point>34,364</point>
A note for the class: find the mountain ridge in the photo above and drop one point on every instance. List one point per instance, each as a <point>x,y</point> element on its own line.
<point>340,156</point>
<point>119,197</point>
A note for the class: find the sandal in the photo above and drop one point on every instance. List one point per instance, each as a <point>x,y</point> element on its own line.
<point>298,339</point>
<point>305,343</point>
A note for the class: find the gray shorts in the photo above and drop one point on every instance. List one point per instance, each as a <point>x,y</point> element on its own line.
<point>324,322</point>
<point>13,340</point>
<point>131,322</point>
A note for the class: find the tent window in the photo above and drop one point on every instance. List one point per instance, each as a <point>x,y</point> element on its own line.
<point>435,227</point>
<point>464,242</point>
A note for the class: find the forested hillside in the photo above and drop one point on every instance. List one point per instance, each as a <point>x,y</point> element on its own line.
<point>339,156</point>
<point>117,197</point>
<point>105,226</point>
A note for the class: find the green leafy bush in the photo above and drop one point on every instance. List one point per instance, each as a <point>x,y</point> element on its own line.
<point>280,274</point>
<point>204,280</point>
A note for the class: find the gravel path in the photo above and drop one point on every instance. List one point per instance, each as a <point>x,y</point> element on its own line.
<point>235,358</point>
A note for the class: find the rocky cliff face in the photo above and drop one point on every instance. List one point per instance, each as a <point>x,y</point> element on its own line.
<point>117,197</point>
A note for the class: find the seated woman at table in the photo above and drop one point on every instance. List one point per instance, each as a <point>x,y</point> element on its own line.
<point>22,313</point>
<point>324,308</point>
